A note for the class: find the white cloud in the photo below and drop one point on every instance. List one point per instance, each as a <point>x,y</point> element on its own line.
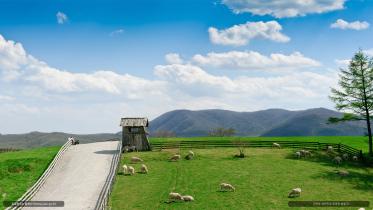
<point>369,52</point>
<point>117,32</point>
<point>356,25</point>
<point>284,8</point>
<point>61,18</point>
<point>342,62</point>
<point>251,60</point>
<point>51,99</point>
<point>239,35</point>
<point>173,58</point>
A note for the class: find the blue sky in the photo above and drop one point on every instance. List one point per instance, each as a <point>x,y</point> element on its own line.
<point>108,59</point>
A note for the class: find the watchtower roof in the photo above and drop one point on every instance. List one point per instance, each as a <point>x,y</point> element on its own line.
<point>134,122</point>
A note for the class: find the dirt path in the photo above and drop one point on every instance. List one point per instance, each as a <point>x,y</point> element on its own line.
<point>79,176</point>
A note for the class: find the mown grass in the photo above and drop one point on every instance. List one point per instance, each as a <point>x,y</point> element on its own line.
<point>19,170</point>
<point>358,142</point>
<point>262,180</point>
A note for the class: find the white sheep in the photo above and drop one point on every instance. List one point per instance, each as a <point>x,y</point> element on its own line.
<point>355,158</point>
<point>295,192</point>
<point>297,154</point>
<point>175,157</point>
<point>227,187</point>
<point>307,153</point>
<point>361,209</point>
<point>175,196</point>
<point>190,155</point>
<point>337,160</point>
<point>144,169</point>
<point>345,156</point>
<point>125,169</point>
<point>187,198</point>
<point>276,145</point>
<point>131,170</point>
<point>136,159</point>
<point>329,149</point>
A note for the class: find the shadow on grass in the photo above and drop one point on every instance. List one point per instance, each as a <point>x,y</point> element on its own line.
<point>361,180</point>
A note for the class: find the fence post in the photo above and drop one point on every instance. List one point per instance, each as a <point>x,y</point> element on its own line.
<point>361,155</point>
<point>339,147</point>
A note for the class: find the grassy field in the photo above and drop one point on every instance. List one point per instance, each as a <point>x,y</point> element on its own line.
<point>262,180</point>
<point>358,142</point>
<point>19,170</point>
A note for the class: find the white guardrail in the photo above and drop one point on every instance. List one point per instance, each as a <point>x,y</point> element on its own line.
<point>103,199</point>
<point>35,188</point>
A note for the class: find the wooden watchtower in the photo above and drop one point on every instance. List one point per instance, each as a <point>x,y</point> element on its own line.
<point>134,133</point>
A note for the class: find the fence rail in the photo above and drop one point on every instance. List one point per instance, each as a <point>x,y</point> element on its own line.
<point>103,199</point>
<point>2,150</point>
<point>342,148</point>
<point>35,188</point>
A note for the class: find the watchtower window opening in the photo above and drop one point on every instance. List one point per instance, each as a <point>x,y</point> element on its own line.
<point>134,130</point>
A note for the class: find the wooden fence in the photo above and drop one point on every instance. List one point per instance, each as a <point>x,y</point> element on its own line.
<point>103,199</point>
<point>2,150</point>
<point>34,189</point>
<point>342,148</point>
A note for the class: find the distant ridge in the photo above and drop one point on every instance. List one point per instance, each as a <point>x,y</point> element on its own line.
<point>39,139</point>
<point>271,122</point>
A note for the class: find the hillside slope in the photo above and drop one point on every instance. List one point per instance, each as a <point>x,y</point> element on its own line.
<point>271,122</point>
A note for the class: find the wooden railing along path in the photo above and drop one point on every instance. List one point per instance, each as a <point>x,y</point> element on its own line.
<point>103,199</point>
<point>34,189</point>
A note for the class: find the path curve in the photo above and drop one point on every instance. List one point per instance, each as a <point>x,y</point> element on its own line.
<point>79,177</point>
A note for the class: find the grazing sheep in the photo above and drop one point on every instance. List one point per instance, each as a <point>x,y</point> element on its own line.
<point>175,158</point>
<point>361,209</point>
<point>276,145</point>
<point>190,155</point>
<point>337,160</point>
<point>131,170</point>
<point>144,169</point>
<point>125,169</point>
<point>297,154</point>
<point>307,153</point>
<point>345,156</point>
<point>295,193</point>
<point>187,198</point>
<point>175,196</point>
<point>227,187</point>
<point>329,149</point>
<point>343,173</point>
<point>355,158</point>
<point>132,149</point>
<point>136,159</point>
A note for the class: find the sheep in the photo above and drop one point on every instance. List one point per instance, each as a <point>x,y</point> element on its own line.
<point>187,198</point>
<point>190,155</point>
<point>132,149</point>
<point>175,196</point>
<point>345,156</point>
<point>329,149</point>
<point>125,169</point>
<point>343,173</point>
<point>295,193</point>
<point>136,159</point>
<point>276,145</point>
<point>227,187</point>
<point>175,158</point>
<point>307,153</point>
<point>131,170</point>
<point>144,169</point>
<point>297,154</point>
<point>355,158</point>
<point>337,160</point>
<point>361,209</point>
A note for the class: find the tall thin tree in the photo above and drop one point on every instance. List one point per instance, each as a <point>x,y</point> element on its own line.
<point>355,92</point>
